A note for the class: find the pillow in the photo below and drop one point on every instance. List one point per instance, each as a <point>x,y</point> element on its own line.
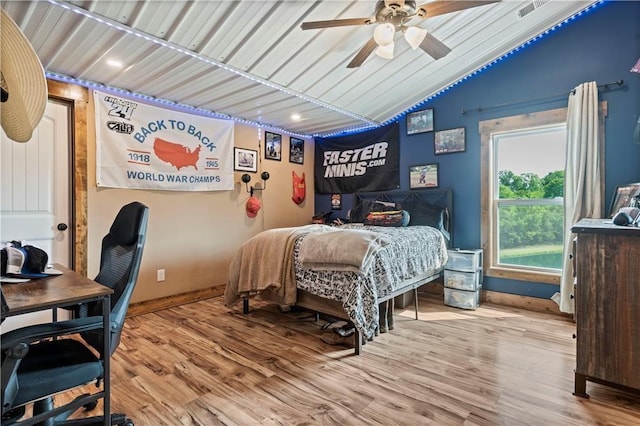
<point>360,212</point>
<point>389,218</point>
<point>424,214</point>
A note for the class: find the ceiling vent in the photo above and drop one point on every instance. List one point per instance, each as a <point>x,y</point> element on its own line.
<point>531,7</point>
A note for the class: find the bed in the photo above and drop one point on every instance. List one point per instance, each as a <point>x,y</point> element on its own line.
<point>301,267</point>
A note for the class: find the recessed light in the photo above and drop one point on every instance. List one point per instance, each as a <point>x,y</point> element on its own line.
<point>114,63</point>
<point>295,117</point>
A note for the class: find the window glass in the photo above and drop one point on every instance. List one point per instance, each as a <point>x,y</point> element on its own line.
<point>528,203</point>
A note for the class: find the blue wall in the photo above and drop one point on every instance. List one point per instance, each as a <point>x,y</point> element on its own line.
<point>600,46</point>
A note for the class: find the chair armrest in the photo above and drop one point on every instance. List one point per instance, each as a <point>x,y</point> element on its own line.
<point>11,360</point>
<point>33,333</point>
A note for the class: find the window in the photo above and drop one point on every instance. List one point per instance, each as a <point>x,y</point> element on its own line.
<point>528,199</point>
<point>522,182</point>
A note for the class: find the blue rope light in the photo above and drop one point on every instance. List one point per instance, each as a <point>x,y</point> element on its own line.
<point>175,105</point>
<point>350,130</point>
<point>206,60</point>
<point>495,61</point>
<point>483,68</point>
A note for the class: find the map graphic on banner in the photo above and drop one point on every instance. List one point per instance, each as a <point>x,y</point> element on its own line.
<point>176,154</point>
<point>141,146</point>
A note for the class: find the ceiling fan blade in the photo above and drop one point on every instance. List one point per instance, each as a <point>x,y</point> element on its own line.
<point>363,54</point>
<point>434,47</point>
<point>314,25</point>
<point>442,7</point>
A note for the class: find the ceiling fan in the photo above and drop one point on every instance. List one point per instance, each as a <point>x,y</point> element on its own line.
<point>392,16</point>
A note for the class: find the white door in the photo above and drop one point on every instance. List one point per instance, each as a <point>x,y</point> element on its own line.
<point>34,193</point>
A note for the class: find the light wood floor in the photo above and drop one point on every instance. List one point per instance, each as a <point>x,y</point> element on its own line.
<point>205,364</point>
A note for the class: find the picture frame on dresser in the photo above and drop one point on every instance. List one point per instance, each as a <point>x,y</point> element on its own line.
<point>625,196</point>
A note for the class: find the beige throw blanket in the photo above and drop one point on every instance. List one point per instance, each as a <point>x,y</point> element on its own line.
<point>341,250</point>
<point>264,265</point>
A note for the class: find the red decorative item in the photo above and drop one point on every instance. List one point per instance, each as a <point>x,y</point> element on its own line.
<point>253,206</point>
<point>299,188</point>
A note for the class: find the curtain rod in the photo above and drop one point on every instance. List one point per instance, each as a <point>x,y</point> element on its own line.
<point>605,86</point>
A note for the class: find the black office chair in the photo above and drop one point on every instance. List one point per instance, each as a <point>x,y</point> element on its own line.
<point>33,369</point>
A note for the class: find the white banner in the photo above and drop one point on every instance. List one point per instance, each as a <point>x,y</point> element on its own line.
<point>145,147</point>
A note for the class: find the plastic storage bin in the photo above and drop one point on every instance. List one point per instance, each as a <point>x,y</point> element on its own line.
<point>464,260</point>
<point>469,281</point>
<point>463,279</point>
<point>461,298</point>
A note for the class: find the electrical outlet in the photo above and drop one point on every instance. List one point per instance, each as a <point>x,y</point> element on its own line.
<point>160,275</point>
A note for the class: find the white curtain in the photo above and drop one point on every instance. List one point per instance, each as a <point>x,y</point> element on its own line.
<point>583,177</point>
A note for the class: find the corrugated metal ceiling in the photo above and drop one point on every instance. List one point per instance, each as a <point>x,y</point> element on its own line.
<point>250,60</point>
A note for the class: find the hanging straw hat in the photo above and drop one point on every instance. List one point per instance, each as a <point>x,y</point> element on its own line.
<point>23,82</point>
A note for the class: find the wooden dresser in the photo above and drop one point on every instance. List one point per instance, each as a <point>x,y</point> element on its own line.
<point>607,261</point>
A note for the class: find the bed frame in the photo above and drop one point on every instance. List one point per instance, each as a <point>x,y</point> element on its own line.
<point>333,308</point>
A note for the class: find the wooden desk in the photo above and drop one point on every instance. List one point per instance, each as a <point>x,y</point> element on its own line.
<point>58,291</point>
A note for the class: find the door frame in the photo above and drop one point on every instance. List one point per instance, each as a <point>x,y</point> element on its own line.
<point>77,97</point>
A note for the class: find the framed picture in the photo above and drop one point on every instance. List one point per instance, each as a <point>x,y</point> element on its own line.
<point>424,176</point>
<point>420,121</point>
<point>448,141</point>
<point>296,150</point>
<point>272,146</point>
<point>625,196</point>
<point>336,201</point>
<point>245,160</point>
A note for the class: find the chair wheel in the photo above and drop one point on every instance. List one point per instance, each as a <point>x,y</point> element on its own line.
<point>127,422</point>
<point>13,415</point>
<point>90,406</point>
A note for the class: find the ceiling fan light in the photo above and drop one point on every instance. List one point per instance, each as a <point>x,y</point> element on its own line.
<point>385,52</point>
<point>383,34</point>
<point>414,36</point>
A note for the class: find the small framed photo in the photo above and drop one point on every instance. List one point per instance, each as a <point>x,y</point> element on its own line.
<point>272,146</point>
<point>424,176</point>
<point>625,196</point>
<point>245,160</point>
<point>336,201</point>
<point>296,150</point>
<point>420,121</point>
<point>449,141</point>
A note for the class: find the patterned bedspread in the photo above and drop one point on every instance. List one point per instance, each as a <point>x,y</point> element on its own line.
<point>414,251</point>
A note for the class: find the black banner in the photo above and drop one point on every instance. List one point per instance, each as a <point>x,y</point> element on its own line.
<point>368,161</point>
